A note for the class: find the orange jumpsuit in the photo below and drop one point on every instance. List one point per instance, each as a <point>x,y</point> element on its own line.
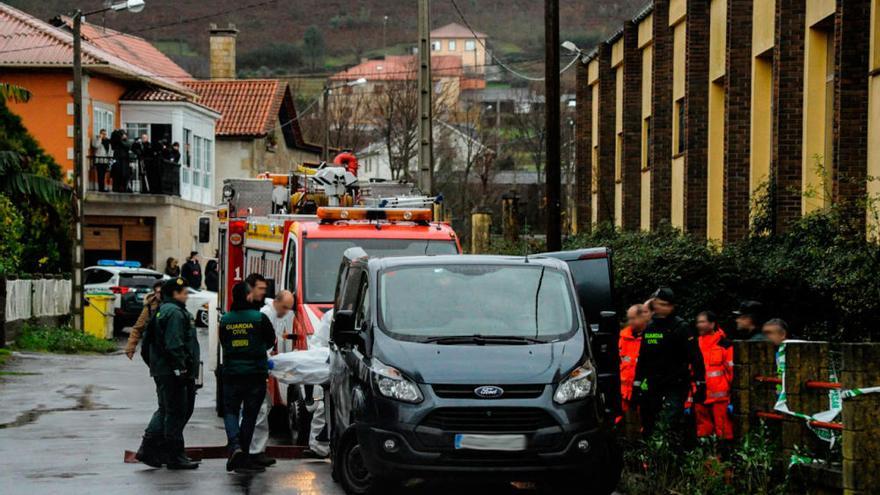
<point>712,417</point>
<point>629,345</point>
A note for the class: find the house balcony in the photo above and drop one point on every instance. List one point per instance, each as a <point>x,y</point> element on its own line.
<point>155,176</point>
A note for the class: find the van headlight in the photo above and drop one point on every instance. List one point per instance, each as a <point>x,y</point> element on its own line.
<point>391,383</point>
<point>580,383</point>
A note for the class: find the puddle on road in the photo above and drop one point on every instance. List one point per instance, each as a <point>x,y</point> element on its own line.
<point>65,476</point>
<point>84,402</point>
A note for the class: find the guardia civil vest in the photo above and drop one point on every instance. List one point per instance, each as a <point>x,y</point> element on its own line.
<point>244,350</point>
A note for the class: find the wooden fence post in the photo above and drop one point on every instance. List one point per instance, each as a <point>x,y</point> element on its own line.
<point>861,420</point>
<point>481,223</point>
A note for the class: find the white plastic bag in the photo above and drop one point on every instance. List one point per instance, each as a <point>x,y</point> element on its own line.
<point>321,337</point>
<point>311,367</point>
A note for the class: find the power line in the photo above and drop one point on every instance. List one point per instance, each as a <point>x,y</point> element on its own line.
<point>496,59</point>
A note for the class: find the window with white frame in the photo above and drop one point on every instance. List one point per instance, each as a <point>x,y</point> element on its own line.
<point>435,46</point>
<point>451,45</point>
<point>209,158</point>
<point>135,130</point>
<point>103,118</point>
<point>185,158</point>
<point>470,45</point>
<point>197,160</point>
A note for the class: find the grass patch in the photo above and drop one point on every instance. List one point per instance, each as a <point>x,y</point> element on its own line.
<point>64,340</point>
<point>5,356</point>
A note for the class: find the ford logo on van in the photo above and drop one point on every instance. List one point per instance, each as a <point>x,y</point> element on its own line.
<point>489,392</point>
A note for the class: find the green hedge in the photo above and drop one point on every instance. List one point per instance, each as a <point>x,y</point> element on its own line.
<point>63,340</point>
<point>822,276</point>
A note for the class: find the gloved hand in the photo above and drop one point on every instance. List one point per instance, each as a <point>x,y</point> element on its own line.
<point>700,393</point>
<point>729,408</point>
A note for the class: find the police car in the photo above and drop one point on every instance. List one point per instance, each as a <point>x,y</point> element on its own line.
<point>130,284</point>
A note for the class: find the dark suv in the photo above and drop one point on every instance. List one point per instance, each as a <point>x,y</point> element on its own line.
<point>472,365</point>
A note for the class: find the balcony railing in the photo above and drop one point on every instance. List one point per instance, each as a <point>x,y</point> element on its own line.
<point>155,176</point>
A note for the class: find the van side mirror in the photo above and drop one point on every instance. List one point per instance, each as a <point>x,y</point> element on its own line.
<point>608,322</point>
<point>342,330</point>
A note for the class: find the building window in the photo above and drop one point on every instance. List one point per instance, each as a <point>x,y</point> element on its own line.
<point>103,119</point>
<point>435,46</point>
<point>470,46</point>
<point>451,45</point>
<point>646,143</point>
<point>209,160</point>
<point>135,131</point>
<point>197,160</point>
<point>679,127</point>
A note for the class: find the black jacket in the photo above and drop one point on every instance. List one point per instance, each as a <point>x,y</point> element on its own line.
<point>669,353</point>
<point>192,273</point>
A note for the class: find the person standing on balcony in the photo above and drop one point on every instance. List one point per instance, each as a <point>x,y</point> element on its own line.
<point>101,157</point>
<point>121,169</point>
<point>145,157</point>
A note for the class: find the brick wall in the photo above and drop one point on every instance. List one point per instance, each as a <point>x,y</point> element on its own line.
<point>631,156</point>
<point>788,90</point>
<point>696,117</point>
<point>661,116</point>
<point>737,119</point>
<point>606,136</point>
<point>583,135</point>
<point>851,41</point>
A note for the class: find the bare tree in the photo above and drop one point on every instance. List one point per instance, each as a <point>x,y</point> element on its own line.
<point>529,128</point>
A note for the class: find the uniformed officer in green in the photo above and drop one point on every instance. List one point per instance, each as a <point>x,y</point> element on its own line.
<point>245,336</point>
<point>174,363</point>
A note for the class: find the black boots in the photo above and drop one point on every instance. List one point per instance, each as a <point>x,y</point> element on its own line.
<point>177,458</point>
<point>150,452</point>
<point>262,459</point>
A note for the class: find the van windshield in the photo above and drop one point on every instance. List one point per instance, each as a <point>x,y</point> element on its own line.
<point>430,303</point>
<point>321,259</point>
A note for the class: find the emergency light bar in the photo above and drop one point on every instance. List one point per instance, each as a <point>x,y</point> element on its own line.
<point>121,263</point>
<point>329,213</point>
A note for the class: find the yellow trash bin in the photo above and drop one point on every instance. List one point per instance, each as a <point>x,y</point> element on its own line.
<point>98,316</point>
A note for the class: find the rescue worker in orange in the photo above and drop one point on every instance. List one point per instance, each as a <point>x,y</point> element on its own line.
<point>637,318</point>
<point>712,414</point>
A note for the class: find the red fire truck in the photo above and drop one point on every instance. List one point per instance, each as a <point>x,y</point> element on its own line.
<point>302,253</point>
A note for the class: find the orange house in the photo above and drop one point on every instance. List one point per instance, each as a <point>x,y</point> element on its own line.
<point>127,84</point>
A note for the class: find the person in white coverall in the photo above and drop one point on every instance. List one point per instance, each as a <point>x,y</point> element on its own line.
<point>280,313</point>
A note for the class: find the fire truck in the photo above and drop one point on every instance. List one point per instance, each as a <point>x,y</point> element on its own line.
<point>293,230</point>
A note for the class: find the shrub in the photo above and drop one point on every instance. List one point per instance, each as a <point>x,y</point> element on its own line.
<point>63,340</point>
<point>12,226</point>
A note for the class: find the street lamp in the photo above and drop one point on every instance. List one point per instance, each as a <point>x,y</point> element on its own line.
<point>571,47</point>
<point>79,191</point>
<point>326,96</point>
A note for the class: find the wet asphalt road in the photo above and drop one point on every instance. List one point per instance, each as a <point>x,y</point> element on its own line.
<point>66,420</point>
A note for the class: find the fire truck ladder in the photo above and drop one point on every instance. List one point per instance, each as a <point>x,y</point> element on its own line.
<point>404,201</point>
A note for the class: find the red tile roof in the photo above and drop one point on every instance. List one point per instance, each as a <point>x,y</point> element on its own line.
<point>400,68</point>
<point>455,30</point>
<point>26,41</point>
<point>133,49</point>
<point>249,106</point>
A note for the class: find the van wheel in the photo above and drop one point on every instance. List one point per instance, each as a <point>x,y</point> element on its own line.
<point>298,418</point>
<point>356,479</point>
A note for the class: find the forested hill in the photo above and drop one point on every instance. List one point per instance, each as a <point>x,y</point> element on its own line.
<point>272,33</point>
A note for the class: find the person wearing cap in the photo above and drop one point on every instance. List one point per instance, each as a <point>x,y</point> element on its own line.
<point>748,321</point>
<point>174,364</point>
<point>669,362</point>
<point>192,271</point>
<point>245,336</point>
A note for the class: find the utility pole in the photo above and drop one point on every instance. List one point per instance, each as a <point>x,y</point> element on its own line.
<point>79,190</point>
<point>325,152</point>
<point>426,138</point>
<point>551,113</point>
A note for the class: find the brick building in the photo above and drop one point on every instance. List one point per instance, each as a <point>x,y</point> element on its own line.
<point>696,109</point>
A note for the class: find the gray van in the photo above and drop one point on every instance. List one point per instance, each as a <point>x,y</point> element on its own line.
<point>474,365</point>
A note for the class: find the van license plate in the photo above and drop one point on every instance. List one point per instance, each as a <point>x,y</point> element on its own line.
<point>510,443</point>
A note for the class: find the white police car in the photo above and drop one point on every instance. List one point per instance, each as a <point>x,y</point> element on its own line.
<point>127,281</point>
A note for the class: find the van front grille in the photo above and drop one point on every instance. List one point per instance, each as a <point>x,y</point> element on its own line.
<point>467,391</point>
<point>488,419</point>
